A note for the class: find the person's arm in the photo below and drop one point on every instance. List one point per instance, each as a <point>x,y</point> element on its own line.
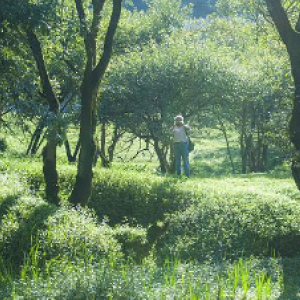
<point>187,129</point>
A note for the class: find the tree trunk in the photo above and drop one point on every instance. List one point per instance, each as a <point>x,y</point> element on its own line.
<point>49,151</point>
<point>34,142</point>
<point>116,137</point>
<point>72,158</point>
<point>50,173</point>
<point>161,157</point>
<point>102,151</point>
<point>172,168</point>
<point>291,38</point>
<point>93,75</point>
<point>224,131</point>
<point>83,184</point>
<point>243,137</point>
<point>294,130</point>
<point>265,152</point>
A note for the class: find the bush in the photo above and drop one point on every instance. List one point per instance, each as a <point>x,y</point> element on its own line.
<point>206,219</point>
<point>228,228</point>
<point>20,225</point>
<point>217,217</point>
<point>137,199</point>
<point>29,221</point>
<point>76,235</point>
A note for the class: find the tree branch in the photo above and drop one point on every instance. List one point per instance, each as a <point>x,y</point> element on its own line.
<point>39,59</point>
<point>81,15</point>
<point>97,8</point>
<point>108,43</point>
<point>280,20</point>
<point>83,24</point>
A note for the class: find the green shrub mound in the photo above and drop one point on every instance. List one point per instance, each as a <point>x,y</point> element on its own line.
<point>206,219</point>
<point>77,235</point>
<point>228,228</point>
<point>137,199</point>
<point>27,221</point>
<point>203,222</point>
<point>56,231</point>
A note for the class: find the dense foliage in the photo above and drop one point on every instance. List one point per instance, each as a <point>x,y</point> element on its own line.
<point>107,79</point>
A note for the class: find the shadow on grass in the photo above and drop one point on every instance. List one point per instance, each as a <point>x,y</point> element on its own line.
<point>291,279</point>
<point>6,204</point>
<point>21,229</point>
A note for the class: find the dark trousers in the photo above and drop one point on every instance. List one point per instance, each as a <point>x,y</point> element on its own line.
<point>181,153</point>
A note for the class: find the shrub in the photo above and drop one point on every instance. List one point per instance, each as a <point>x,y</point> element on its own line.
<point>207,219</point>
<point>137,199</point>
<point>77,235</point>
<point>57,231</point>
<point>217,217</point>
<point>20,225</point>
<point>222,227</point>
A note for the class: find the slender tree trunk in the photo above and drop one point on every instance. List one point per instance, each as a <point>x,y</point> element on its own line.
<point>224,131</point>
<point>71,158</point>
<point>49,151</point>
<point>243,137</point>
<point>83,185</point>
<point>102,151</point>
<point>161,157</point>
<point>265,152</point>
<point>111,149</point>
<point>50,173</point>
<point>34,142</point>
<point>172,168</point>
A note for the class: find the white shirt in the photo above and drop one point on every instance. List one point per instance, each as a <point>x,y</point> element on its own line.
<point>180,134</point>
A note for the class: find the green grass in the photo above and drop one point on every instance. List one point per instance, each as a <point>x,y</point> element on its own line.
<point>229,236</point>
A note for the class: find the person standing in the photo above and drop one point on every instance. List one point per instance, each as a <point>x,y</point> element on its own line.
<point>181,145</point>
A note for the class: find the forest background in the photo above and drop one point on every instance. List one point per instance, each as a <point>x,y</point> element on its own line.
<point>90,207</point>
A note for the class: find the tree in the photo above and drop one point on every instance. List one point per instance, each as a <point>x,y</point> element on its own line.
<point>291,38</point>
<point>27,17</point>
<point>250,100</point>
<point>93,75</point>
<point>145,90</point>
<point>201,8</point>
<point>51,32</point>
